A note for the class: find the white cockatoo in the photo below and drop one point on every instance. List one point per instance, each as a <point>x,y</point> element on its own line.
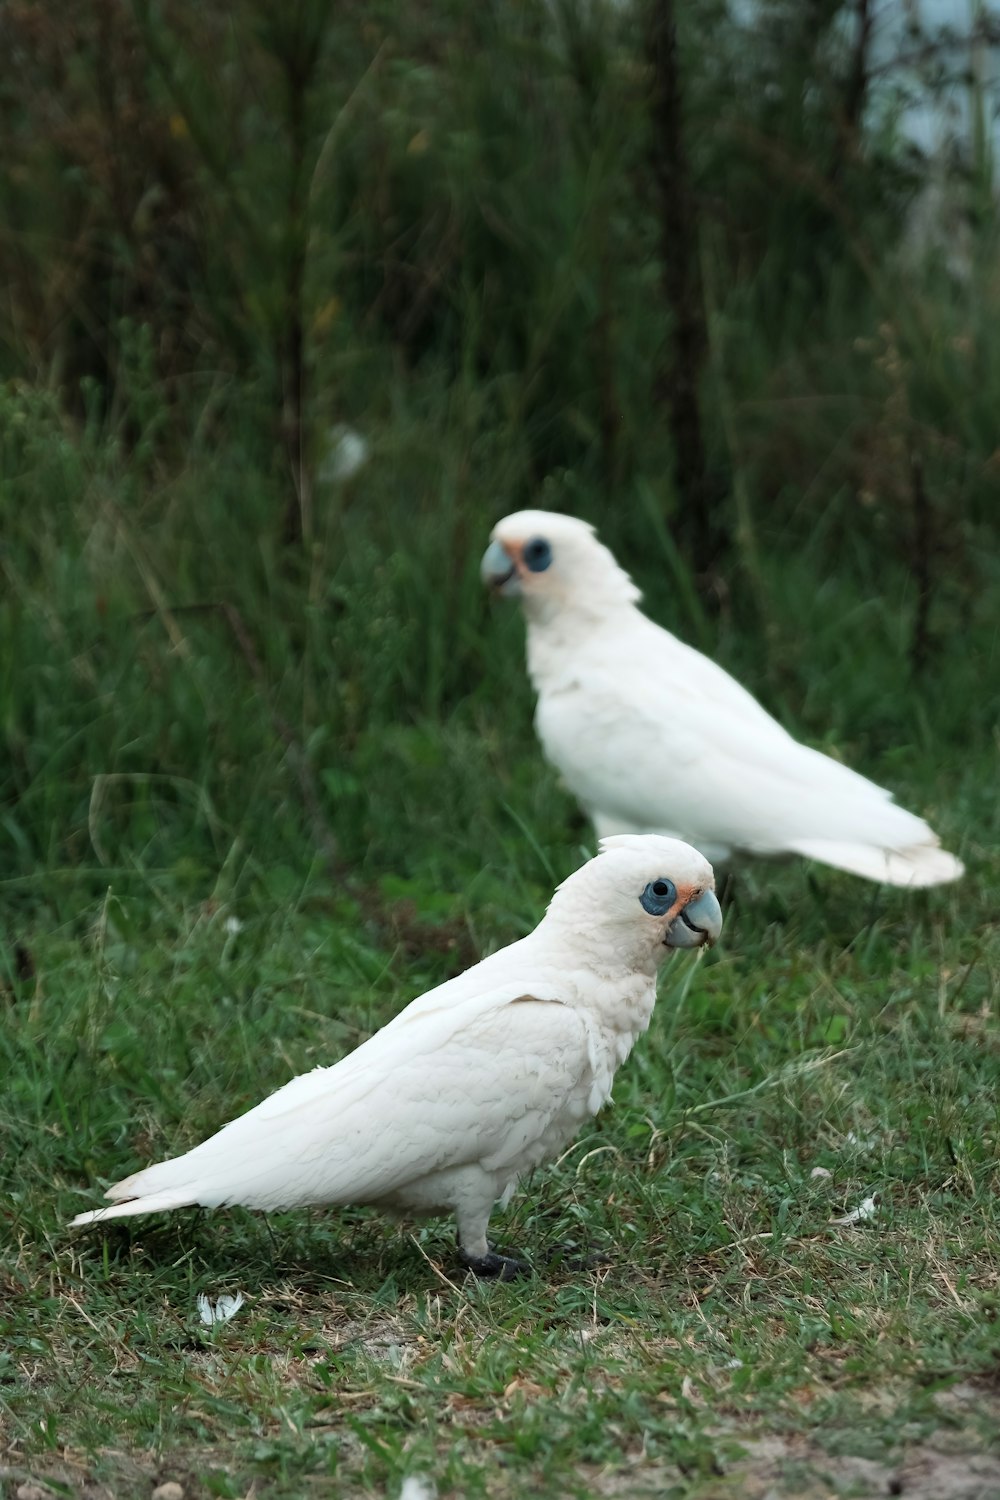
<point>477,1081</point>
<point>653,737</point>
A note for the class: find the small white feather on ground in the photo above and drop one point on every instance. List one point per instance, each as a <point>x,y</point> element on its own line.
<point>220,1311</point>
<point>865,1210</point>
<point>347,452</point>
<point>416,1488</point>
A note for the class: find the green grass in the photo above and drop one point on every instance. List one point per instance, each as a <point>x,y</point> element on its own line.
<point>838,1027</point>
<point>149,798</point>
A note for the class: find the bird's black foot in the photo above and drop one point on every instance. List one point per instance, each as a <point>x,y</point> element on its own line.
<point>492,1264</point>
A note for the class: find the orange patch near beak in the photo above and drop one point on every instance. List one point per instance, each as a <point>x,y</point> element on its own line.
<point>685,893</point>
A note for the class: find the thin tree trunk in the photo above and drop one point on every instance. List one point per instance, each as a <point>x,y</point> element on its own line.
<point>680,378</point>
<point>291,337</point>
<point>922,548</point>
<point>604,347</point>
<point>857,85</point>
<point>855,89</point>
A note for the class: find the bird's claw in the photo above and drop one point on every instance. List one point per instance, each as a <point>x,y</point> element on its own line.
<point>495,1266</point>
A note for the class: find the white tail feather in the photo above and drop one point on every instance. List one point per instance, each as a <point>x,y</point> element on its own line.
<point>919,865</point>
<point>152,1203</point>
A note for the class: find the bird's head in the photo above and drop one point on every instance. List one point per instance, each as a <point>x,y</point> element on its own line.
<point>551,563</point>
<point>642,896</point>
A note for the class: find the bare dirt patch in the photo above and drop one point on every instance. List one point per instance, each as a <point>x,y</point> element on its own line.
<point>775,1469</point>
<point>956,1463</point>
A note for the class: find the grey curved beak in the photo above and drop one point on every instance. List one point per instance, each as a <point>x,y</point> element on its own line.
<point>498,572</point>
<point>698,923</point>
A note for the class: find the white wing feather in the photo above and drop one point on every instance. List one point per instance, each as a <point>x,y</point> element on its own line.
<point>440,1086</point>
<point>651,735</point>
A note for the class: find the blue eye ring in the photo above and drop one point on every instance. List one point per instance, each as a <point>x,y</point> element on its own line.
<point>658,897</point>
<point>537,554</point>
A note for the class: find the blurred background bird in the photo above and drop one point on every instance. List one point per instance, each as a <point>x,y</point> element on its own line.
<point>652,736</point>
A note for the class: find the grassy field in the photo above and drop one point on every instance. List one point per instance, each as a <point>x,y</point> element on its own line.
<point>182,945</point>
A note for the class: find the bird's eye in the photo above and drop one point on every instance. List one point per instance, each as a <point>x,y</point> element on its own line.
<point>537,554</point>
<point>658,897</point>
